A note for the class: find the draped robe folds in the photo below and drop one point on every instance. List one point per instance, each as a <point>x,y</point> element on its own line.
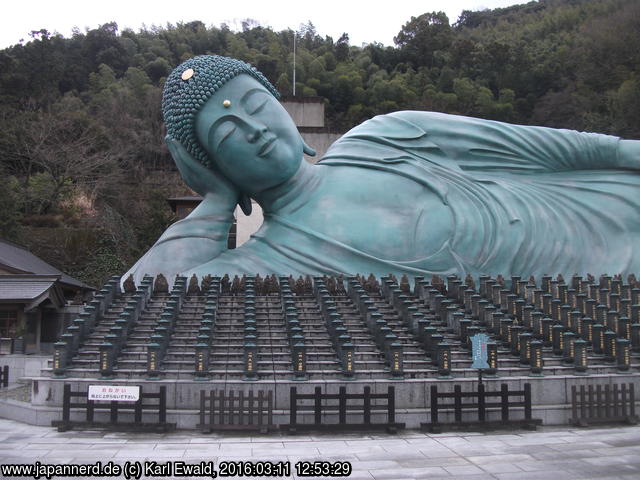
<point>525,200</point>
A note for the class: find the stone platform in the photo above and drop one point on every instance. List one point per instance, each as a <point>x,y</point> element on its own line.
<point>279,332</point>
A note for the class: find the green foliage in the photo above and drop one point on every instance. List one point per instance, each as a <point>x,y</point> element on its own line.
<point>10,208</point>
<point>104,261</point>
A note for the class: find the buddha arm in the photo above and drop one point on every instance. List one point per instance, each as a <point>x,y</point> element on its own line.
<point>485,146</point>
<point>197,239</point>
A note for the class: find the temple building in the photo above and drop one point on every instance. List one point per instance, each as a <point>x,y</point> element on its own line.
<point>35,300</point>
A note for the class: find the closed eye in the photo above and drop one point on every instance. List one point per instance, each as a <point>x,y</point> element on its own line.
<point>224,131</point>
<point>259,107</point>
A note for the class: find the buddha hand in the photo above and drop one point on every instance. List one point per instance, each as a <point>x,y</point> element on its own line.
<point>207,181</point>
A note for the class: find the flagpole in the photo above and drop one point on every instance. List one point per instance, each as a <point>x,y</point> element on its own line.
<point>294,62</point>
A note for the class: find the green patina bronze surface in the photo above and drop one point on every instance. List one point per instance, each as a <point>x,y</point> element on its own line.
<point>411,192</point>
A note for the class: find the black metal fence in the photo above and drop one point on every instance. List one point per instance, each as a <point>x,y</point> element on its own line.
<point>331,403</point>
<point>88,409</point>
<point>613,403</point>
<point>481,402</point>
<point>222,411</point>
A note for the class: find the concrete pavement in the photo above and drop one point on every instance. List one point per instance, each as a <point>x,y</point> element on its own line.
<point>550,453</point>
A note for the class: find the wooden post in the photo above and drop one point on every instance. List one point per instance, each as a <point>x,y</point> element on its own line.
<point>5,376</point>
<point>113,412</point>
<point>162,404</point>
<point>317,406</point>
<point>391,404</point>
<point>342,406</point>
<point>292,405</point>
<point>66,403</point>
<point>202,408</point>
<point>250,408</point>
<point>527,401</point>
<point>138,410</point>
<point>504,402</point>
<point>434,404</point>
<point>367,405</point>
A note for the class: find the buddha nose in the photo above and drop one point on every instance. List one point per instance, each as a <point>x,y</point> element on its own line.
<point>255,131</point>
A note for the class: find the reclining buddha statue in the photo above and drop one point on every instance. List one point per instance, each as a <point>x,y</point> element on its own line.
<point>417,193</point>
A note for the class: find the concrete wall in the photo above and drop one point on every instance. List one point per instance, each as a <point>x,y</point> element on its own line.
<point>306,112</point>
<point>24,366</point>
<point>320,142</point>
<point>247,226</point>
<point>551,396</point>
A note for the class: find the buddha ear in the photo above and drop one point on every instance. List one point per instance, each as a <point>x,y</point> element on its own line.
<point>245,204</point>
<point>308,150</point>
<point>190,169</point>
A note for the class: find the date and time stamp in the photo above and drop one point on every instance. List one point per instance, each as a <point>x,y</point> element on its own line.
<point>174,469</point>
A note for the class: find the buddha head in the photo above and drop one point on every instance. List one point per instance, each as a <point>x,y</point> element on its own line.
<point>227,116</point>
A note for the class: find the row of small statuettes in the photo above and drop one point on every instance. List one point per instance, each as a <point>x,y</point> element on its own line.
<point>270,284</point>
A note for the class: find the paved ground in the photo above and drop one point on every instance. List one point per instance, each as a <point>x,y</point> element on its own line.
<point>548,454</point>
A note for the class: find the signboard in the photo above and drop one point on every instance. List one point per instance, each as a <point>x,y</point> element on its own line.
<point>479,350</point>
<point>113,392</point>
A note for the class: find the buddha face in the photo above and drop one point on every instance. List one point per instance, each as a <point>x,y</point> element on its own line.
<point>250,136</point>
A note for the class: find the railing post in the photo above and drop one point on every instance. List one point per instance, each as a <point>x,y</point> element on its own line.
<point>492,359</point>
<point>569,347</point>
<point>635,337</point>
<point>348,364</point>
<point>610,346</point>
<point>250,354</point>
<point>153,359</point>
<point>203,351</point>
<point>558,344</point>
<point>444,360</point>
<point>623,355</point>
<point>106,360</point>
<point>525,348</point>
<point>396,360</point>
<point>537,362</point>
<point>299,360</point>
<point>60,355</point>
<point>598,339</point>
<point>581,359</point>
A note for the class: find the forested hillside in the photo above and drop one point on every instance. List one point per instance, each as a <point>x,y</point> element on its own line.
<point>85,169</point>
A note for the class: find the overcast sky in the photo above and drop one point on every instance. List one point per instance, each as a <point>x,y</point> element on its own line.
<point>364,21</point>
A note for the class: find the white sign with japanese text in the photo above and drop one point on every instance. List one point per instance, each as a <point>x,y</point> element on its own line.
<point>113,392</point>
